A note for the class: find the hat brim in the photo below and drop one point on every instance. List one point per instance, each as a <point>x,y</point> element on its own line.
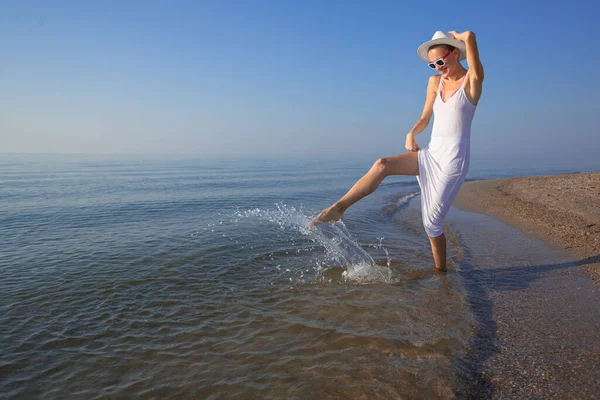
<point>424,48</point>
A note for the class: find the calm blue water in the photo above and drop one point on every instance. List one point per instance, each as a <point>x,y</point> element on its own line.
<point>177,276</point>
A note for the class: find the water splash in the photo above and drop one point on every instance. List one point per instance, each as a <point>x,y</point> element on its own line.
<point>343,250</point>
<point>340,248</point>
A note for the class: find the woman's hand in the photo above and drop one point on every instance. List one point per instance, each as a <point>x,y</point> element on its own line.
<point>463,37</point>
<point>411,143</point>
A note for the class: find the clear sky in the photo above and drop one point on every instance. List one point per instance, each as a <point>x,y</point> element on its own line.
<point>287,77</point>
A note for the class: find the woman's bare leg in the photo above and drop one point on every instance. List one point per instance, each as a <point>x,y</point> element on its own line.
<point>438,248</point>
<point>401,164</point>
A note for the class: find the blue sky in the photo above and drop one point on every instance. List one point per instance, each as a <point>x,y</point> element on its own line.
<point>288,78</point>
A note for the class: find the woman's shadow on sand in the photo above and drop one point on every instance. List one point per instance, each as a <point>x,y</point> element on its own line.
<point>473,381</point>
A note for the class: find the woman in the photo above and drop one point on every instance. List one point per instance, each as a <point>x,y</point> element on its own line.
<point>441,167</point>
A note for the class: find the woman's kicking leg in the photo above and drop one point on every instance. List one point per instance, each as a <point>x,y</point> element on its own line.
<point>402,164</point>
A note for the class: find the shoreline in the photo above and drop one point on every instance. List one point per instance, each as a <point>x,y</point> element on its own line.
<point>535,312</point>
<point>561,210</point>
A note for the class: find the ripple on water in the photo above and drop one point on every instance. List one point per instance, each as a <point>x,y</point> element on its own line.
<point>223,314</point>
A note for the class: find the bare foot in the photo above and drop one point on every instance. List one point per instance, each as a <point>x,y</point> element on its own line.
<point>330,214</point>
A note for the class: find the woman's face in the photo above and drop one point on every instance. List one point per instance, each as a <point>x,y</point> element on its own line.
<point>450,60</point>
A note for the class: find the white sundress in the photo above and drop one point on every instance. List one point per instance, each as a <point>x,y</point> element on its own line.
<point>444,162</point>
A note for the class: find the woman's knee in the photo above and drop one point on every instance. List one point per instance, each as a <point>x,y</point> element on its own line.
<point>382,165</point>
<point>403,164</point>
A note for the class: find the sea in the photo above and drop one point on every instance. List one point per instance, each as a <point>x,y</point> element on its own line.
<point>148,276</point>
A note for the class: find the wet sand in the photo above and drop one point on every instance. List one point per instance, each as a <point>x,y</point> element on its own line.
<point>562,210</point>
<point>535,308</point>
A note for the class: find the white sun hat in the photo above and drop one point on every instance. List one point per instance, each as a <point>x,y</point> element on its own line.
<point>441,37</point>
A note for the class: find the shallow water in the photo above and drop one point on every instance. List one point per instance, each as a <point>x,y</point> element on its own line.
<point>169,278</point>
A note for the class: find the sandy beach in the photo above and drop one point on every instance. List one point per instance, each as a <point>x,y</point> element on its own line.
<point>562,210</point>
<point>527,274</point>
